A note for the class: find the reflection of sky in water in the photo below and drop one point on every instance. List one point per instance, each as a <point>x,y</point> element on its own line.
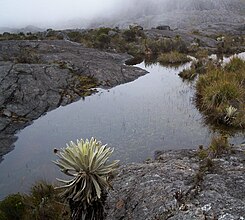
<point>155,112</point>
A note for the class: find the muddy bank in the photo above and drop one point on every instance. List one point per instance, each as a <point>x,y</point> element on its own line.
<point>171,187</point>
<point>39,76</point>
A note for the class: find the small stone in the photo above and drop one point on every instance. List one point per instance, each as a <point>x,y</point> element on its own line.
<point>7,113</point>
<point>207,207</point>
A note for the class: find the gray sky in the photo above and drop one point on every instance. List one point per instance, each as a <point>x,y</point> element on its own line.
<point>44,13</point>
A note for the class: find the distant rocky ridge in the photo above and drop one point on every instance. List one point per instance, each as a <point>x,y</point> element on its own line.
<point>216,15</point>
<point>182,14</point>
<point>29,28</point>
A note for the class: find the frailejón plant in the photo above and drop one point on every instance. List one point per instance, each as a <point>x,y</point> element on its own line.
<point>230,114</point>
<point>87,163</point>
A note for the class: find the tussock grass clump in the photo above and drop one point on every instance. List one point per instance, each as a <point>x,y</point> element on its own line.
<point>219,145</point>
<point>173,57</point>
<point>197,67</point>
<point>236,64</point>
<point>221,94</point>
<point>43,202</point>
<point>200,54</point>
<point>164,45</point>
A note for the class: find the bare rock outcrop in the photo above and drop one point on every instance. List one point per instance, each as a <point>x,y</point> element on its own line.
<point>39,76</point>
<point>173,187</point>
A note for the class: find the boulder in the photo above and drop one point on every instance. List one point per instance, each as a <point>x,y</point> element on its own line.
<point>163,27</point>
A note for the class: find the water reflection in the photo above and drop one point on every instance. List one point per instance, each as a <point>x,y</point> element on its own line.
<point>155,112</point>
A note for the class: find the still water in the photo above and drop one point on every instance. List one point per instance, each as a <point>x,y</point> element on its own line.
<point>154,112</point>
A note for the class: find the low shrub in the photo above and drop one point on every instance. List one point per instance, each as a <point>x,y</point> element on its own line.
<point>26,55</point>
<point>101,41</point>
<point>75,36</point>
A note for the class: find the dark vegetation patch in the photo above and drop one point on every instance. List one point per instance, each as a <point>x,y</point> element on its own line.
<point>43,202</point>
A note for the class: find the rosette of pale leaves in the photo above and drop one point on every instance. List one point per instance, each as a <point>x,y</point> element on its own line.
<point>87,162</point>
<point>230,114</point>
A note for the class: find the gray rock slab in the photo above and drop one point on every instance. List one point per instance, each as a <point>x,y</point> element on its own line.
<point>148,190</point>
<point>39,76</point>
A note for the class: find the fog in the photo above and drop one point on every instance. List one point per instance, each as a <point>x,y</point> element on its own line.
<point>63,14</point>
<point>51,13</point>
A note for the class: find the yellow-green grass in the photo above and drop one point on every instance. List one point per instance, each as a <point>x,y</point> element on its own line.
<point>173,57</point>
<point>202,53</point>
<point>219,145</point>
<point>221,89</point>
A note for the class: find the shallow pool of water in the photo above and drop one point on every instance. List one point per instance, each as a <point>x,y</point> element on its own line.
<point>155,112</point>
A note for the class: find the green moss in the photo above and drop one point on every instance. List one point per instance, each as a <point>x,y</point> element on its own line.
<point>84,86</point>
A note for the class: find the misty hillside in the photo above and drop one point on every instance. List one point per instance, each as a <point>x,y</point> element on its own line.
<point>212,15</point>
<point>178,13</point>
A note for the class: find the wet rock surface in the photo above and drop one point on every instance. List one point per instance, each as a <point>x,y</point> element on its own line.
<point>171,188</point>
<point>39,76</point>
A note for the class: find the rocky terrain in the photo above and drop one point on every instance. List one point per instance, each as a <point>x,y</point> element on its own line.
<point>210,15</point>
<point>39,76</point>
<point>178,185</point>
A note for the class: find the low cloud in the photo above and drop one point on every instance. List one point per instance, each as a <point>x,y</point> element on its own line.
<point>51,13</point>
